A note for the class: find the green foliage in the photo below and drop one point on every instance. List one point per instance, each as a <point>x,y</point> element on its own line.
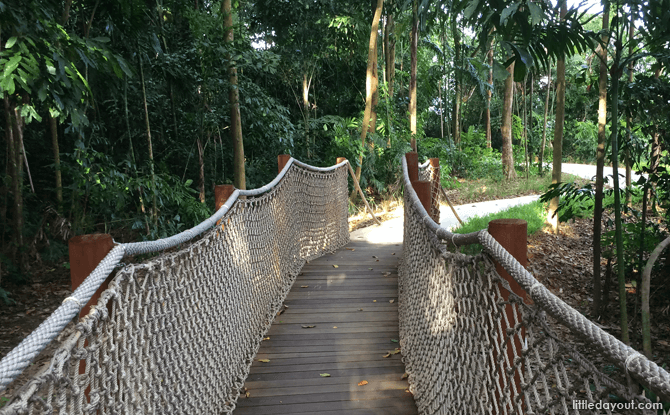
<point>581,140</point>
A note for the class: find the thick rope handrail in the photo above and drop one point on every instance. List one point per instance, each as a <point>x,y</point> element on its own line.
<point>15,362</point>
<point>627,358</point>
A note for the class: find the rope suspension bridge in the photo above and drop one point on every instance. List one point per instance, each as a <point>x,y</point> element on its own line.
<point>268,308</point>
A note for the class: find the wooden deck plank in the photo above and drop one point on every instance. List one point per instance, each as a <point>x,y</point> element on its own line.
<point>346,343</point>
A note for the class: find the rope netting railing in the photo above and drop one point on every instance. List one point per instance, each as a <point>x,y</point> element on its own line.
<point>177,333</point>
<point>471,346</point>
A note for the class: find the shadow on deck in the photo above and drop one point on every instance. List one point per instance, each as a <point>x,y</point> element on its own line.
<point>354,311</point>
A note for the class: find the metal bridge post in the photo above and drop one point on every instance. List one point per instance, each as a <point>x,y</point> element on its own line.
<point>512,235</point>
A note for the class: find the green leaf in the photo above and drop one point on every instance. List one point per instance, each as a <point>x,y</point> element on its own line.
<point>325,375</point>
<point>508,13</point>
<point>470,10</point>
<point>10,42</point>
<point>536,13</point>
<point>12,65</point>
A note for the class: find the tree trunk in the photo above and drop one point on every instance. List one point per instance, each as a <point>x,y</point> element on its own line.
<point>305,114</point>
<point>617,196</point>
<point>646,280</point>
<point>201,163</point>
<point>655,160</point>
<point>16,172</point>
<point>414,43</point>
<point>629,121</point>
<point>389,47</point>
<point>531,118</point>
<point>372,125</point>
<point>600,165</point>
<point>369,84</point>
<point>239,179</point>
<point>458,93</point>
<point>544,127</point>
<point>53,126</point>
<point>507,153</point>
<point>558,129</point>
<point>154,207</point>
<point>439,92</point>
<point>489,94</point>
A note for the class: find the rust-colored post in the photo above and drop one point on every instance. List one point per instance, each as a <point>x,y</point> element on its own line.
<point>412,165</point>
<point>221,193</point>
<point>86,252</point>
<point>435,189</point>
<point>512,235</point>
<point>282,159</point>
<point>422,189</point>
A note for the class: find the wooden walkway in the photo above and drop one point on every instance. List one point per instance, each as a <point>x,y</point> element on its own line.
<point>340,321</point>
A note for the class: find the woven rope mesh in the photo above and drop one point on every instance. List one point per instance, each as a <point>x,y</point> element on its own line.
<point>177,333</point>
<point>468,350</point>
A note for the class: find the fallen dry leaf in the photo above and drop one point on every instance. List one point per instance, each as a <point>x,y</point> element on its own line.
<point>374,301</point>
<point>325,375</point>
<point>308,327</point>
<point>304,286</point>
<point>362,383</point>
<point>404,376</point>
<point>266,338</point>
<point>374,256</point>
<point>247,394</point>
<point>351,249</point>
<point>335,266</point>
<point>391,301</point>
<point>264,360</point>
<point>360,309</point>
<point>334,327</point>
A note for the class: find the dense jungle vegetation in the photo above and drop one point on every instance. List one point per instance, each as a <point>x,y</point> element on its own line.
<point>121,116</point>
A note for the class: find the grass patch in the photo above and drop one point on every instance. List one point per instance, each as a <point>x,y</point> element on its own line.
<point>494,189</point>
<point>533,213</point>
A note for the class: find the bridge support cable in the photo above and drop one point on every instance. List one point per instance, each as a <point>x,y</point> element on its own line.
<point>185,325</point>
<point>465,353</point>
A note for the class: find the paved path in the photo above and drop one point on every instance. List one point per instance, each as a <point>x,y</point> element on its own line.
<point>588,172</point>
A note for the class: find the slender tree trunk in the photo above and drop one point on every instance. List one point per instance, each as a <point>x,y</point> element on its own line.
<point>629,121</point>
<point>617,196</point>
<point>369,84</point>
<point>305,114</point>
<point>389,46</point>
<point>439,92</point>
<point>507,153</point>
<point>66,12</point>
<point>525,127</point>
<point>201,163</point>
<point>12,134</point>
<point>239,179</point>
<point>458,93</point>
<point>646,281</point>
<point>544,127</point>
<point>154,207</point>
<point>655,160</point>
<point>53,127</point>
<point>489,94</point>
<point>530,122</point>
<point>414,43</point>
<point>600,165</point>
<point>558,130</point>
<point>372,126</point>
